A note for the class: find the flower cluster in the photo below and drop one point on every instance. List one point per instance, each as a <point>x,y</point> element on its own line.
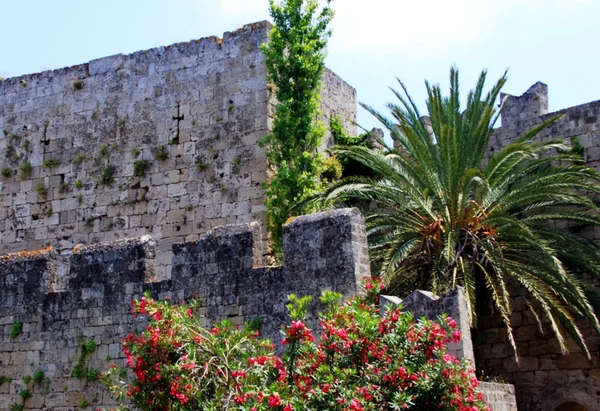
<point>362,361</point>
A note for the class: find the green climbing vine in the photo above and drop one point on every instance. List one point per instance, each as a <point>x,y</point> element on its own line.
<point>294,58</point>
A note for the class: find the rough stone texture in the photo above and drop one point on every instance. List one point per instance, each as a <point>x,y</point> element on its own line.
<point>499,397</point>
<point>57,299</point>
<point>206,102</point>
<point>544,378</point>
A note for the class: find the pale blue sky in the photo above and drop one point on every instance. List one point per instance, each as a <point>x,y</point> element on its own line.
<point>554,41</point>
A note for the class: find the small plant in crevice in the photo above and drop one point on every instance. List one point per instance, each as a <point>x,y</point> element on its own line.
<point>26,169</point>
<point>107,178</point>
<point>7,172</point>
<point>79,200</point>
<point>230,109</point>
<point>77,84</point>
<point>89,222</point>
<point>25,394</point>
<point>103,151</point>
<point>140,167</point>
<point>135,151</point>
<point>201,166</point>
<point>80,369</point>
<point>78,184</point>
<point>79,158</point>
<point>236,161</point>
<point>51,163</point>
<point>84,404</point>
<point>17,407</point>
<point>122,122</point>
<point>27,379</point>
<point>47,386</point>
<point>174,140</point>
<point>161,153</point>
<point>63,188</point>
<point>16,330</point>
<point>218,136</point>
<point>4,379</point>
<point>42,191</point>
<point>39,376</point>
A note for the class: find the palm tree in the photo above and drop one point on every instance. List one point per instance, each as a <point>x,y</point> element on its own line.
<point>441,213</point>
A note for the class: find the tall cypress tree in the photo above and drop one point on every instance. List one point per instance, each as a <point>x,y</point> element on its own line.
<point>294,57</point>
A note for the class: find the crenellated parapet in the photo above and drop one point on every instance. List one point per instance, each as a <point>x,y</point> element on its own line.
<point>62,299</point>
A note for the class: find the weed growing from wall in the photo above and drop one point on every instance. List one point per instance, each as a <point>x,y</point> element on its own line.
<point>294,57</point>
<point>16,330</point>
<point>140,167</point>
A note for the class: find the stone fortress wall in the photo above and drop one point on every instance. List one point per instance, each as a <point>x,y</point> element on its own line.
<point>172,133</point>
<point>545,379</point>
<point>65,301</point>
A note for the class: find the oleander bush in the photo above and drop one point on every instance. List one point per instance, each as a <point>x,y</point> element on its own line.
<point>362,361</point>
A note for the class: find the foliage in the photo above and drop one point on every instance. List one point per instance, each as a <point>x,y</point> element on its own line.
<point>364,361</point>
<point>439,214</point>
<point>6,172</point>
<point>140,167</point>
<point>51,163</point>
<point>39,376</point>
<point>331,169</point>
<point>4,379</point>
<point>79,158</point>
<point>26,169</point>
<point>25,394</point>
<point>294,58</point>
<point>16,330</point>
<point>80,369</point>
<point>77,84</point>
<point>78,184</point>
<point>341,137</point>
<point>161,153</point>
<point>42,191</point>
<point>107,177</point>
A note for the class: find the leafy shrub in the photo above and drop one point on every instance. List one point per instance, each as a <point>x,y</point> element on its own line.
<point>25,394</point>
<point>331,169</point>
<point>364,361</point>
